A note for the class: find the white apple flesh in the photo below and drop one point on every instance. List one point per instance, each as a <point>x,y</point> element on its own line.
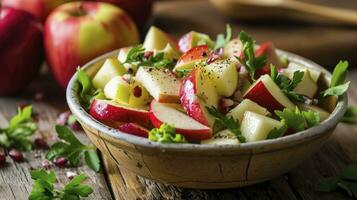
<point>222,138</point>
<point>314,73</point>
<point>192,130</point>
<point>111,68</point>
<point>322,113</point>
<point>247,105</point>
<point>157,39</point>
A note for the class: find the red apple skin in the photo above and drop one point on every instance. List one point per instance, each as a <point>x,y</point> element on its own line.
<point>134,129</point>
<point>196,53</point>
<point>189,99</point>
<point>267,48</point>
<point>103,111</point>
<point>21,52</point>
<point>72,40</point>
<point>261,95</point>
<point>185,42</point>
<point>190,135</point>
<point>38,8</point>
<point>139,10</point>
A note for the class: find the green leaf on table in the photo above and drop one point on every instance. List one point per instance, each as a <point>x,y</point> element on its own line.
<point>350,172</point>
<point>227,121</point>
<point>21,126</point>
<point>222,40</point>
<point>73,150</point>
<point>350,115</point>
<point>338,85</point>
<point>277,132</point>
<point>166,134</point>
<point>298,120</point>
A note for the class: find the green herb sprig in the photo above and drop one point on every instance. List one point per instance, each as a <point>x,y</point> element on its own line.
<point>346,181</point>
<point>73,150</point>
<point>277,132</point>
<point>338,85</point>
<point>44,187</point>
<point>287,85</point>
<point>222,40</point>
<point>251,62</point>
<point>227,121</point>
<point>166,134</point>
<point>21,126</point>
<point>298,120</point>
<point>86,91</point>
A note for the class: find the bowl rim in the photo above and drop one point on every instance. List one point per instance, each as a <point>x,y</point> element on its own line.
<point>321,129</point>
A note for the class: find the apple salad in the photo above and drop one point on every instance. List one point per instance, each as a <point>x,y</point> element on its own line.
<point>197,90</point>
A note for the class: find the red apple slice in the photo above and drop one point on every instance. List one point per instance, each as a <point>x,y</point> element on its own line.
<point>196,93</point>
<point>266,93</point>
<point>134,129</point>
<point>192,39</point>
<point>190,58</point>
<point>104,110</point>
<point>192,130</point>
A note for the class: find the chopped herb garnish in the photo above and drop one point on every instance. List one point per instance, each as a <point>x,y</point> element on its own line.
<point>222,40</point>
<point>20,128</point>
<point>287,85</point>
<point>227,121</point>
<point>277,132</point>
<point>298,120</point>
<point>338,85</point>
<point>44,187</point>
<point>350,115</point>
<point>86,91</point>
<point>73,150</point>
<point>251,62</point>
<point>345,181</point>
<point>166,134</point>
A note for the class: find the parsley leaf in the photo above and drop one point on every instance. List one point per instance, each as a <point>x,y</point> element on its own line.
<point>137,56</point>
<point>350,115</point>
<point>287,85</point>
<point>298,120</point>
<point>277,132</point>
<point>227,121</point>
<point>222,40</point>
<point>73,150</point>
<point>251,62</point>
<point>346,180</point>
<point>44,187</point>
<point>166,134</point>
<point>86,91</point>
<point>21,126</point>
<point>338,85</point>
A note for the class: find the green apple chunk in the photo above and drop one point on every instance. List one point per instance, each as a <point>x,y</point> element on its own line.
<point>307,86</point>
<point>224,76</point>
<point>170,53</point>
<point>314,73</point>
<point>222,138</point>
<point>247,105</point>
<point>156,39</point>
<point>322,113</point>
<point>111,68</point>
<point>118,89</point>
<point>256,127</point>
<point>139,95</point>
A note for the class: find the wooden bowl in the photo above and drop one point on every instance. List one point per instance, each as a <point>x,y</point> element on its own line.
<point>206,166</point>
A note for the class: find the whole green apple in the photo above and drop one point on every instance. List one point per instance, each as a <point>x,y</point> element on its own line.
<point>77,32</point>
<point>38,8</point>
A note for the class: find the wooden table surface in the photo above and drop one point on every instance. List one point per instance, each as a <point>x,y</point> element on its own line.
<point>115,183</point>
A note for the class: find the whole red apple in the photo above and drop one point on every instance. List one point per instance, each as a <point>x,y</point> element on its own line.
<point>21,52</point>
<point>77,32</point>
<point>39,8</point>
<point>139,10</point>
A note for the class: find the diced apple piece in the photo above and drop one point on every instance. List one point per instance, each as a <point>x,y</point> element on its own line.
<point>163,85</point>
<point>192,130</point>
<point>322,113</point>
<point>170,53</point>
<point>267,48</point>
<point>157,39</point>
<point>307,86</point>
<point>233,49</point>
<point>118,89</point>
<point>247,105</point>
<point>134,129</point>
<point>314,73</point>
<point>139,96</point>
<point>266,93</point>
<point>111,68</point>
<point>197,93</point>
<point>193,39</point>
<point>188,60</point>
<point>224,76</point>
<point>123,54</point>
<point>222,138</point>
<point>104,110</point>
<point>256,127</point>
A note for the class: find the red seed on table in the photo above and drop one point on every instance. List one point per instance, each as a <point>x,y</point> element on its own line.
<point>62,118</point>
<point>41,143</point>
<point>2,156</point>
<point>16,155</point>
<point>60,162</point>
